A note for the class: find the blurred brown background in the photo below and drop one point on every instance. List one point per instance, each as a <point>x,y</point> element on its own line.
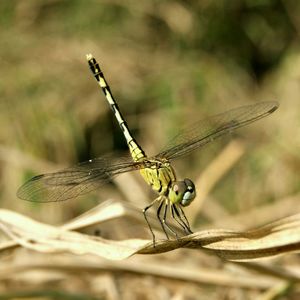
<point>169,63</point>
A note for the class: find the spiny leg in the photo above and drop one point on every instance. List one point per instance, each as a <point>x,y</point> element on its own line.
<point>185,225</point>
<point>185,219</point>
<point>145,216</point>
<point>165,221</point>
<point>160,220</point>
<point>175,218</point>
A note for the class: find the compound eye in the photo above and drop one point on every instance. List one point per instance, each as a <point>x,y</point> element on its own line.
<point>189,194</point>
<point>189,184</point>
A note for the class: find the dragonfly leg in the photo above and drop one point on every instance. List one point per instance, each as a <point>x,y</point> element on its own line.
<point>162,223</point>
<point>145,216</point>
<point>176,217</point>
<point>165,220</point>
<point>186,220</point>
<point>182,220</point>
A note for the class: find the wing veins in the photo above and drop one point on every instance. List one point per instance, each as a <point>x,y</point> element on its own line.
<point>207,130</point>
<point>75,181</point>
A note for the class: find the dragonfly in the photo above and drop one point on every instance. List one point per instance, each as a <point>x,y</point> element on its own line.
<point>173,194</point>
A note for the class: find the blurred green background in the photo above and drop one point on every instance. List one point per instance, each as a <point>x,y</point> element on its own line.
<point>169,63</point>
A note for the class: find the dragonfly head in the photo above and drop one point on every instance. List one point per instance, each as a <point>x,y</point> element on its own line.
<point>182,192</point>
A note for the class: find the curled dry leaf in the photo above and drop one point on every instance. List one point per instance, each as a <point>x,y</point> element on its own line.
<point>276,238</point>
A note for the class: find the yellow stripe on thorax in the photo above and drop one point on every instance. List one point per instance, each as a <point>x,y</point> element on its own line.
<point>159,175</point>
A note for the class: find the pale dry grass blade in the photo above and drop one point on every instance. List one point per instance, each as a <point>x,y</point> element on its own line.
<point>103,212</point>
<point>173,271</point>
<point>204,276</point>
<point>275,238</point>
<point>111,210</point>
<point>50,239</point>
<point>271,269</point>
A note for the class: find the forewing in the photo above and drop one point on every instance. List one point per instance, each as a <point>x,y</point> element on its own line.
<point>209,129</point>
<point>75,181</point>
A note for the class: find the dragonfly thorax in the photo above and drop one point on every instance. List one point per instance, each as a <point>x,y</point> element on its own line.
<point>182,192</point>
<point>159,174</point>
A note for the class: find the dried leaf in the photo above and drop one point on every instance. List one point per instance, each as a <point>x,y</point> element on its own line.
<point>276,238</point>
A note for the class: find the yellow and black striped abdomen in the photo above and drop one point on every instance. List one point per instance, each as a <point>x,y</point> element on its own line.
<point>136,151</point>
<point>157,173</point>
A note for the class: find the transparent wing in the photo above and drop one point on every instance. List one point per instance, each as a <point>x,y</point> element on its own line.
<point>211,128</point>
<point>75,181</point>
